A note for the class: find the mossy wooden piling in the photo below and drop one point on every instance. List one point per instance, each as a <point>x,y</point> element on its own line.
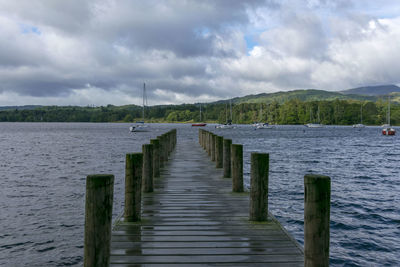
<point>213,137</point>
<point>98,215</point>
<point>156,157</point>
<point>237,167</point>
<point>317,195</point>
<point>259,187</point>
<point>148,160</point>
<point>227,158</point>
<point>219,151</point>
<point>133,186</point>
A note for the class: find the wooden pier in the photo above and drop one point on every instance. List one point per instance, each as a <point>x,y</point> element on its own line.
<point>193,219</point>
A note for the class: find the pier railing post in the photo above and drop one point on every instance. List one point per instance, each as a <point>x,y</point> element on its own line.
<point>227,158</point>
<point>200,132</point>
<point>166,150</point>
<point>219,151</point>
<point>147,168</point>
<point>156,157</point>
<point>213,137</point>
<point>133,186</point>
<point>98,217</point>
<point>209,143</point>
<point>237,167</point>
<point>259,187</point>
<point>317,196</point>
<point>161,150</point>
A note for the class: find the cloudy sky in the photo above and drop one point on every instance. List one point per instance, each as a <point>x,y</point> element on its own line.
<point>98,52</point>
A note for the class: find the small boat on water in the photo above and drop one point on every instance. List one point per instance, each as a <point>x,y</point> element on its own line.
<point>313,124</point>
<point>228,124</point>
<point>199,124</point>
<point>140,126</point>
<point>359,125</point>
<point>388,129</point>
<point>265,125</point>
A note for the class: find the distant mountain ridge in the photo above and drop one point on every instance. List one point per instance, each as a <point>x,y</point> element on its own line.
<point>373,90</point>
<point>367,93</point>
<point>302,95</point>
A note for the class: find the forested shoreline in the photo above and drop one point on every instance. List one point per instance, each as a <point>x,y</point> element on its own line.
<point>335,112</point>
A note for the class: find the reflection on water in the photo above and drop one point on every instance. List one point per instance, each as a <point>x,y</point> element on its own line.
<point>43,168</point>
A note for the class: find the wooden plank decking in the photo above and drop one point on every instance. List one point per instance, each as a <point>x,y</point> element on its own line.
<point>193,219</point>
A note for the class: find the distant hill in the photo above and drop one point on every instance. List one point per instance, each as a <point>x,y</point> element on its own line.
<point>303,95</point>
<point>373,90</point>
<point>27,107</point>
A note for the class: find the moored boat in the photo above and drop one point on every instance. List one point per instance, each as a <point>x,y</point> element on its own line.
<point>388,130</point>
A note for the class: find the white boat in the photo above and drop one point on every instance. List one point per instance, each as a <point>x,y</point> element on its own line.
<point>228,124</point>
<point>388,129</point>
<point>263,126</point>
<point>359,125</point>
<point>312,124</point>
<point>140,125</point>
<point>138,128</point>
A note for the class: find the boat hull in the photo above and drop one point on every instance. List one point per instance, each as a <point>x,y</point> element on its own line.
<point>388,131</point>
<point>199,124</point>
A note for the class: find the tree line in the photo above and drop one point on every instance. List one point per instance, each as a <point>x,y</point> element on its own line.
<point>336,112</point>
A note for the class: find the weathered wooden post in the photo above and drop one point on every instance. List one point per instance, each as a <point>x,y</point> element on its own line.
<point>213,137</point>
<point>219,151</point>
<point>227,158</point>
<point>259,187</point>
<point>161,150</point>
<point>166,150</point>
<point>98,216</point>
<point>317,197</point>
<point>237,167</point>
<point>133,186</point>
<point>147,168</point>
<point>204,134</point>
<point>156,157</point>
<point>209,143</point>
<point>170,142</point>
<point>175,137</point>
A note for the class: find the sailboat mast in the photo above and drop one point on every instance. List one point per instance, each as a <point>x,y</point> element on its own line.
<point>389,109</point>
<point>200,112</point>
<point>144,96</point>
<point>226,113</point>
<point>361,113</point>
<point>230,107</point>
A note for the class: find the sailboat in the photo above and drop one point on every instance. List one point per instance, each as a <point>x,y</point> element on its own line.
<point>388,130</point>
<point>261,125</point>
<point>199,124</point>
<point>314,125</point>
<point>228,124</point>
<point>140,126</point>
<point>359,125</point>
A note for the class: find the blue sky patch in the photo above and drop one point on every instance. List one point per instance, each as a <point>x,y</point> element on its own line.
<point>250,42</point>
<point>26,29</point>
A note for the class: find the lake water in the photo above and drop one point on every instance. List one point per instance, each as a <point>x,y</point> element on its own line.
<point>43,167</point>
